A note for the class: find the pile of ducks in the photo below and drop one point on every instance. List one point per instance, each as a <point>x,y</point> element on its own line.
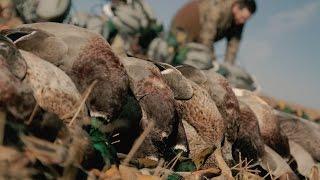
<point>60,82</point>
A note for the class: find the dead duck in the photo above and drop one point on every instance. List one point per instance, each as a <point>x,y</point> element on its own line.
<point>249,141</point>
<point>303,132</point>
<point>276,165</point>
<point>304,161</point>
<point>84,56</point>
<point>201,113</point>
<point>254,140</point>
<point>157,104</point>
<point>51,88</point>
<point>221,93</point>
<point>251,145</point>
<point>269,125</point>
<point>36,81</point>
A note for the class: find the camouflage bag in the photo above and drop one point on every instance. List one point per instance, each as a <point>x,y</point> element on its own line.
<point>32,11</point>
<point>237,76</point>
<point>194,54</point>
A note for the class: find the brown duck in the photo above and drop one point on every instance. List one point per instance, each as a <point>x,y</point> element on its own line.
<point>202,114</point>
<point>303,132</point>
<point>221,93</point>
<point>157,104</point>
<point>249,141</point>
<point>256,141</point>
<point>52,89</point>
<point>48,85</point>
<point>269,125</point>
<point>84,56</point>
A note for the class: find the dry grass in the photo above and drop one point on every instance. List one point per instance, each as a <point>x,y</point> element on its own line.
<point>173,162</point>
<point>34,111</point>
<point>84,98</point>
<point>157,171</point>
<point>245,169</point>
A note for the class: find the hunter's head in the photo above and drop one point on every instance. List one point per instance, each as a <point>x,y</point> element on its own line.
<point>242,10</point>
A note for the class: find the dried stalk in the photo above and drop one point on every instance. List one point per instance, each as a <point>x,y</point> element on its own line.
<point>87,93</point>
<point>34,111</point>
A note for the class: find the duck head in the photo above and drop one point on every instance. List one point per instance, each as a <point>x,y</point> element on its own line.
<point>11,58</point>
<point>15,96</point>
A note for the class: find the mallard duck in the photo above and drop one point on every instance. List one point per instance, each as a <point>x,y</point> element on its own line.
<point>270,143</point>
<point>202,114</point>
<point>304,160</point>
<point>52,89</point>
<point>276,165</point>
<point>269,125</point>
<point>301,131</point>
<point>84,56</point>
<point>249,141</point>
<point>157,104</point>
<point>221,93</point>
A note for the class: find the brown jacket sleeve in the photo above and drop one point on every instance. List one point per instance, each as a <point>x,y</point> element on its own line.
<point>233,44</point>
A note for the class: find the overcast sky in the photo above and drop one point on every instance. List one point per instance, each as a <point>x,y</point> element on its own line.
<point>280,46</point>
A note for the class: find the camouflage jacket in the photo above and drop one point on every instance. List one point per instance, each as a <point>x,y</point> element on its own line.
<point>207,21</point>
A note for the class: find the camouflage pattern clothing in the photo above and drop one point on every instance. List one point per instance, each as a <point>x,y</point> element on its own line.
<point>32,11</point>
<point>208,21</point>
<point>136,24</point>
